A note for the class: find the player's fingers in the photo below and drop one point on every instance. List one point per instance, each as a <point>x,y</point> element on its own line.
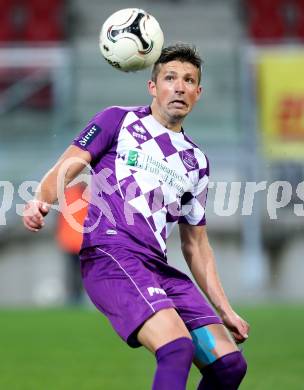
<point>238,338</point>
<point>38,219</point>
<point>29,223</point>
<point>33,215</point>
<point>241,327</point>
<point>243,334</point>
<point>30,209</point>
<point>30,227</point>
<point>36,210</point>
<point>245,328</point>
<point>44,208</point>
<point>33,223</point>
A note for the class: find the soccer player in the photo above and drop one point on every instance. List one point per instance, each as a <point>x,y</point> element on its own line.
<point>147,176</point>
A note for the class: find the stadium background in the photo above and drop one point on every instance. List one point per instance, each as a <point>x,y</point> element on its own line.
<point>250,124</point>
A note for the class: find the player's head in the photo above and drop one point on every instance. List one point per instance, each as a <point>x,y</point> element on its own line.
<point>175,84</point>
<point>179,52</point>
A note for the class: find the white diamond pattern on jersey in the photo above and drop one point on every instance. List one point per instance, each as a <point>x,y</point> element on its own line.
<point>149,158</point>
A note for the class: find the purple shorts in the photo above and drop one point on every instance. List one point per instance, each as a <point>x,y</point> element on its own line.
<point>129,288</point>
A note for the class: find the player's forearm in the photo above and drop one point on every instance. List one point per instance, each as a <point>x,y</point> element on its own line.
<point>47,190</point>
<point>203,268</point>
<point>69,165</point>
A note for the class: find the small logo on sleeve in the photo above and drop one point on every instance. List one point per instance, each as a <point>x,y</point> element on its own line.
<point>86,139</point>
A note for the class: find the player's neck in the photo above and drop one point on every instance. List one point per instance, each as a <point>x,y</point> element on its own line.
<point>175,126</point>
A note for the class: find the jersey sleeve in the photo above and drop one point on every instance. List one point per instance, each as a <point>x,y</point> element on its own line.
<point>101,132</point>
<point>193,204</point>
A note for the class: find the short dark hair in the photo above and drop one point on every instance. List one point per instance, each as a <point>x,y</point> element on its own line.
<point>178,52</point>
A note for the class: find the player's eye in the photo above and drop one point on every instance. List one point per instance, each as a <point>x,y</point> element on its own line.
<point>190,80</point>
<point>169,77</point>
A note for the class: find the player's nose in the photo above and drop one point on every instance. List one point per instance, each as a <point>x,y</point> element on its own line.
<point>179,86</point>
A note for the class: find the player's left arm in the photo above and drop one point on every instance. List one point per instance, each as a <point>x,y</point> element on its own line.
<point>200,259</point>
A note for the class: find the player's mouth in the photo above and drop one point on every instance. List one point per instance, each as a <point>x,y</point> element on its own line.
<point>179,103</point>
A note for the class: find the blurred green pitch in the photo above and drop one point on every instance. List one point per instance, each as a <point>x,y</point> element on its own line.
<point>75,349</point>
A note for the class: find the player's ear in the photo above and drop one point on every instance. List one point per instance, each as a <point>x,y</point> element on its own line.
<point>152,88</point>
<point>200,91</point>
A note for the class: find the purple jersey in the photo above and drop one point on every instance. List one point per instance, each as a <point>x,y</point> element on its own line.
<point>145,179</point>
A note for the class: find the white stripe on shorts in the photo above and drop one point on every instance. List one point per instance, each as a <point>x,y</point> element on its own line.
<point>162,300</point>
<point>137,288</point>
<point>197,318</point>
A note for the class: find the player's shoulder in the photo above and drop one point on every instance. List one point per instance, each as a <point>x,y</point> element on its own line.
<point>191,142</point>
<point>121,111</point>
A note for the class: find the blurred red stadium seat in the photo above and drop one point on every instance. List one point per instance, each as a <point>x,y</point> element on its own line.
<point>32,20</point>
<point>299,25</point>
<point>266,20</point>
<point>44,21</point>
<point>7,27</point>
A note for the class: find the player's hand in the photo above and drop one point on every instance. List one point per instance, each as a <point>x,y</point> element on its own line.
<point>34,213</point>
<point>237,326</point>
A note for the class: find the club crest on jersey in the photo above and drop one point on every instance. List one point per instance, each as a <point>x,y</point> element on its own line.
<point>89,135</point>
<point>189,159</point>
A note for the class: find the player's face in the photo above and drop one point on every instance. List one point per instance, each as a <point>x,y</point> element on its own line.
<point>175,91</point>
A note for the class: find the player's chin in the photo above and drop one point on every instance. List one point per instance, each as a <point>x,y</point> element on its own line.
<point>179,113</point>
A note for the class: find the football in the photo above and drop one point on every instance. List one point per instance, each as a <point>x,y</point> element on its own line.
<point>131,39</point>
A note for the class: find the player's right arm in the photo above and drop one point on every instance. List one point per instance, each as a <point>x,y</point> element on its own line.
<point>73,160</point>
<point>88,147</point>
